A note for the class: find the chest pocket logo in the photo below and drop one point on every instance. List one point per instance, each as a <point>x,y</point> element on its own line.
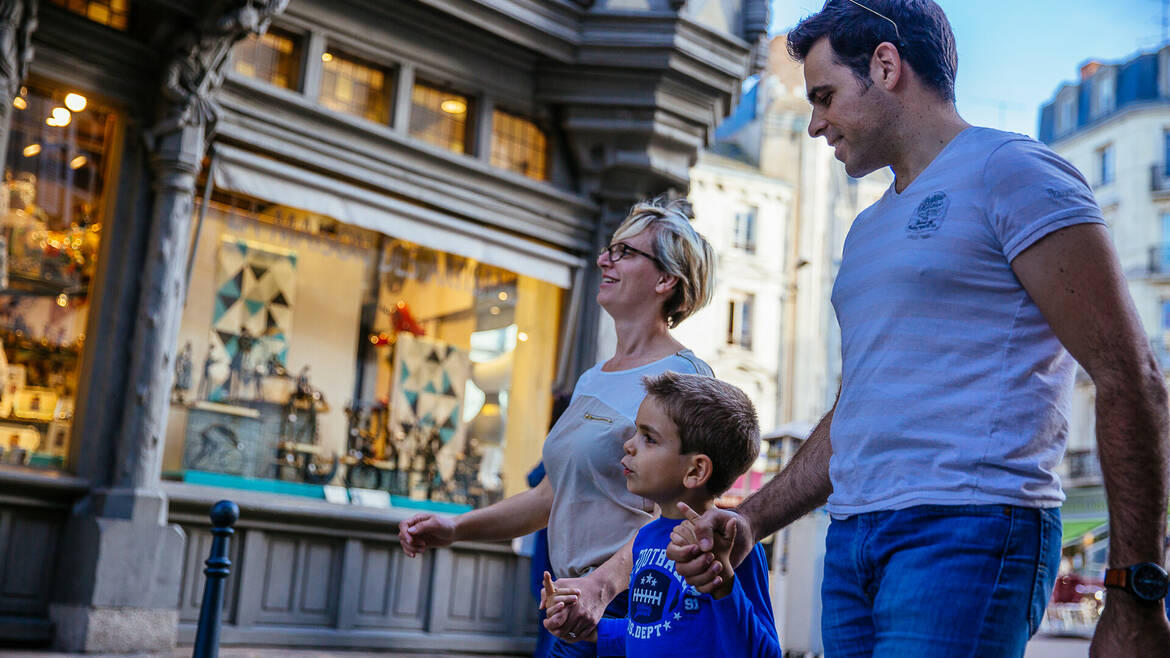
<point>929,216</point>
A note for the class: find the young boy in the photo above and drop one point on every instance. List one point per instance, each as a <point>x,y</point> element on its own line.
<point>695,436</point>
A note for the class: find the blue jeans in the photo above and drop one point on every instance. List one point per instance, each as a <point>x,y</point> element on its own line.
<point>938,580</point>
<point>619,607</point>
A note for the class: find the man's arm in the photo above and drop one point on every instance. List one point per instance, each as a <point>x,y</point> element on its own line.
<point>1075,279</point>
<point>797,490</point>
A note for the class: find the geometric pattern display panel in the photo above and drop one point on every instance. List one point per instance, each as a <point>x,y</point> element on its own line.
<point>430,378</point>
<point>255,289</point>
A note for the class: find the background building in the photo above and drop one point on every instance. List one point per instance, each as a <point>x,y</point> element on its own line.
<point>311,256</point>
<point>1113,124</point>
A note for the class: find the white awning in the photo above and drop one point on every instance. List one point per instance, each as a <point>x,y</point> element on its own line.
<point>245,173</point>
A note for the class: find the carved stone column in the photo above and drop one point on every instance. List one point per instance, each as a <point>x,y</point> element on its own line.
<point>18,20</point>
<point>121,528</point>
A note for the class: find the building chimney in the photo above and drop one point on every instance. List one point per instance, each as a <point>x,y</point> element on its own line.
<point>1089,68</point>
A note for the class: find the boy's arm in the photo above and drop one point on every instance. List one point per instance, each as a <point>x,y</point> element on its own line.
<point>611,637</point>
<point>739,630</point>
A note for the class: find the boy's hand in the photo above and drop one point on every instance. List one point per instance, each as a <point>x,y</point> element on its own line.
<point>723,542</point>
<point>572,608</point>
<point>693,541</point>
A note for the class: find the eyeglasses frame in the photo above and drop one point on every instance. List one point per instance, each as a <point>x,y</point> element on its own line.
<point>623,248</point>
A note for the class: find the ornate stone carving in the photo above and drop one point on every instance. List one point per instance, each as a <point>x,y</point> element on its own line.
<point>18,20</point>
<point>196,70</point>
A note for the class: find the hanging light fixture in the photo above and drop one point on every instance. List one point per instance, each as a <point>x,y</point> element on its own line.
<point>31,150</point>
<point>19,103</point>
<point>453,106</point>
<point>75,102</point>
<point>78,162</point>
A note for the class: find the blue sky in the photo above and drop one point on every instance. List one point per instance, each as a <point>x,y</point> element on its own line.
<point>1014,54</point>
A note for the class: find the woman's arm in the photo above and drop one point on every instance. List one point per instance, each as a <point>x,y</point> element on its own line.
<point>512,517</point>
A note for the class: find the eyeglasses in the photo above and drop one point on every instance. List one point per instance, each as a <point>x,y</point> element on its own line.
<point>618,251</point>
<point>897,33</point>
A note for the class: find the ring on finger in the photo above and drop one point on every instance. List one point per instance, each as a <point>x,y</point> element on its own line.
<point>572,635</point>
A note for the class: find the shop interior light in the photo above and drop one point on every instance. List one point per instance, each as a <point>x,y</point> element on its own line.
<point>19,103</point>
<point>453,106</point>
<point>522,337</point>
<point>75,102</point>
<point>503,296</point>
<point>78,162</point>
<point>31,150</point>
<point>326,57</point>
<point>495,310</point>
<point>62,300</point>
<point>60,117</point>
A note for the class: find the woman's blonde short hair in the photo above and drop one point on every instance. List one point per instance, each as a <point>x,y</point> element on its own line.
<point>680,251</point>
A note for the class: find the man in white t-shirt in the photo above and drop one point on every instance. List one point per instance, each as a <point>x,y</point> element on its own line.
<point>966,296</point>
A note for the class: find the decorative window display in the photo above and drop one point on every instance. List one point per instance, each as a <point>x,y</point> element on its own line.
<point>54,197</point>
<point>114,13</point>
<point>353,87</point>
<point>273,57</point>
<point>354,367</point>
<point>439,117</point>
<point>519,145</point>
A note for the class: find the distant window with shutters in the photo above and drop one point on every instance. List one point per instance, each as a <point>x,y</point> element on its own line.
<point>739,319</point>
<point>112,13</point>
<point>440,116</point>
<point>354,87</point>
<point>519,145</point>
<point>745,230</point>
<point>274,57</point>
<point>1166,153</point>
<point>1107,164</point>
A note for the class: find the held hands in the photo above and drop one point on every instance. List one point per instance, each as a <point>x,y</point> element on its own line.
<point>706,548</point>
<point>570,614</point>
<point>423,531</point>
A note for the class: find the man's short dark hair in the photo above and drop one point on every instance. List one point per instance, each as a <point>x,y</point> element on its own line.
<point>923,37</point>
<point>713,418</point>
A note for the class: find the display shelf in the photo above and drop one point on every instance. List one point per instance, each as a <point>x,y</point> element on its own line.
<point>20,285</point>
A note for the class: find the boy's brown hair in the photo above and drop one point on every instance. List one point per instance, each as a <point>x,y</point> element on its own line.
<point>713,418</point>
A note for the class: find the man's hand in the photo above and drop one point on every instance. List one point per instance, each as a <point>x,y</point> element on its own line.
<point>693,541</point>
<point>423,531</point>
<point>724,542</point>
<point>1128,628</point>
<point>574,606</point>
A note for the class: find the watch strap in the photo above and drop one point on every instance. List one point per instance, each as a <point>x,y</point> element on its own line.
<point>1117,578</point>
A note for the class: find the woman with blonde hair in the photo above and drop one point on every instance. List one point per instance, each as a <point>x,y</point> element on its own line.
<point>655,272</point>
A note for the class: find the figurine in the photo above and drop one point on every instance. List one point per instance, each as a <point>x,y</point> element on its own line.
<point>182,375</point>
<point>205,385</point>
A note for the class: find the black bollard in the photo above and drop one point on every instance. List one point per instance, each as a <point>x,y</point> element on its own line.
<point>223,516</point>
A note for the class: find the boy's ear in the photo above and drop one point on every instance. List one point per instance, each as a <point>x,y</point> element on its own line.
<point>698,472</point>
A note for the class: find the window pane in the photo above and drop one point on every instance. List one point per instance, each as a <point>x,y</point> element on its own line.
<point>350,86</point>
<point>519,145</point>
<point>114,13</point>
<point>319,353</point>
<point>440,117</point>
<point>57,174</point>
<point>274,58</point>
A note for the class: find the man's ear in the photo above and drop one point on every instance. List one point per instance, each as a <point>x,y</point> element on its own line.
<point>885,67</point>
<point>665,283</point>
<point>698,472</point>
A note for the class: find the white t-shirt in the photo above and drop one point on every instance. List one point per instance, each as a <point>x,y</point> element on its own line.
<point>622,389</point>
<point>954,388</point>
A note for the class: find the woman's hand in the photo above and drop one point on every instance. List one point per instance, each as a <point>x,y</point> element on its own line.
<point>423,531</point>
<point>573,607</point>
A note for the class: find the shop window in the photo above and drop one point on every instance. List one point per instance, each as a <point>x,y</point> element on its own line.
<point>113,13</point>
<point>440,117</point>
<point>744,236</point>
<point>273,57</point>
<point>739,320</point>
<point>324,360</point>
<point>354,87</point>
<point>519,145</point>
<point>56,178</point>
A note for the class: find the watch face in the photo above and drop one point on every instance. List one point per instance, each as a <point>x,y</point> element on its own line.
<point>1149,582</point>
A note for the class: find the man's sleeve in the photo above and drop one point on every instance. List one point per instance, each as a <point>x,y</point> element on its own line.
<point>611,637</point>
<point>1032,192</point>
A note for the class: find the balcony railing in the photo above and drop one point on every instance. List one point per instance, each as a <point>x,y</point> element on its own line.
<point>1160,178</point>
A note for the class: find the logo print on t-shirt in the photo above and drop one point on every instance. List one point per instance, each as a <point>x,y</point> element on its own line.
<point>929,215</point>
<point>648,597</point>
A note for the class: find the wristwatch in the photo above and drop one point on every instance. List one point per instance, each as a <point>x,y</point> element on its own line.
<point>1147,581</point>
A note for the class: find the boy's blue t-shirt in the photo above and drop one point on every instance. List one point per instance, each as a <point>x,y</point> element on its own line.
<point>667,617</point>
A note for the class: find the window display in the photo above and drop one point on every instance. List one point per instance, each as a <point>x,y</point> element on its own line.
<point>51,208</point>
<point>315,354</point>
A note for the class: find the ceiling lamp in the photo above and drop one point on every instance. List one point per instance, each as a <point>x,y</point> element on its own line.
<point>19,103</point>
<point>78,162</point>
<point>453,106</point>
<point>75,102</point>
<point>31,150</point>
